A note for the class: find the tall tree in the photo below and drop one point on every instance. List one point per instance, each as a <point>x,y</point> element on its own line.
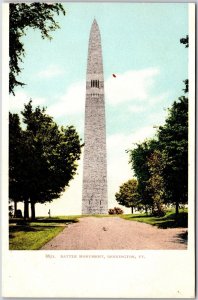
<point>50,159</point>
<point>23,16</point>
<point>128,195</point>
<point>16,154</point>
<point>173,141</point>
<point>139,161</point>
<point>155,183</point>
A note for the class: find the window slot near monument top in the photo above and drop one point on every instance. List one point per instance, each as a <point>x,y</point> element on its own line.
<point>95,83</point>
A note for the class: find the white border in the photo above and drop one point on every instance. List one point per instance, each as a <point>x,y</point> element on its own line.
<point>161,274</point>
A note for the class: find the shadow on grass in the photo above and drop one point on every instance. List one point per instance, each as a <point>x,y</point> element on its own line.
<point>22,222</point>
<point>182,238</point>
<point>28,228</point>
<point>139,217</point>
<point>173,221</point>
<point>55,221</point>
<point>22,226</point>
<point>170,220</point>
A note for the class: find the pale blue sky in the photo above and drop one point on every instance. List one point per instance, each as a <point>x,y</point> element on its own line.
<point>141,45</point>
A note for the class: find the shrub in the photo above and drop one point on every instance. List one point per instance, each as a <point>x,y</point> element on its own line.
<point>115,211</point>
<point>111,211</point>
<point>118,210</point>
<point>158,212</point>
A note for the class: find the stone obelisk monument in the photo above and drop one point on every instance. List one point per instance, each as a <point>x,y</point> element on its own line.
<point>94,195</point>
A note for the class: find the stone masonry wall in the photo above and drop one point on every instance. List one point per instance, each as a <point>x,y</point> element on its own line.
<point>94,199</point>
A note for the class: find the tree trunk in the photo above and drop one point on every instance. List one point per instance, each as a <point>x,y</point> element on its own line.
<point>132,209</point>
<point>32,210</point>
<point>15,208</point>
<point>26,209</point>
<point>177,208</point>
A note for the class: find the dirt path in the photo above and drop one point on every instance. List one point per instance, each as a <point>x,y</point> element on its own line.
<point>115,233</point>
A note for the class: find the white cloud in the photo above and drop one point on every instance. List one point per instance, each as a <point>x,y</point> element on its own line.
<point>131,85</point>
<point>71,103</point>
<point>136,108</point>
<point>117,144</point>
<point>161,98</point>
<point>16,103</point>
<point>150,103</point>
<point>142,134</point>
<point>50,72</point>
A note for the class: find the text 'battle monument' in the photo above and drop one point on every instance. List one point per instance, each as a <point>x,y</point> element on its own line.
<point>94,195</point>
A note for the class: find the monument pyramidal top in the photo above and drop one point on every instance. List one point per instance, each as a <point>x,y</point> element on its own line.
<point>95,64</point>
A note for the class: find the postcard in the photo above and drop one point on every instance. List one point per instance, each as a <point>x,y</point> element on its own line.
<point>98,150</point>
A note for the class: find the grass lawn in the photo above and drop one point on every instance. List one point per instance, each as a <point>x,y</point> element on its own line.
<point>33,235</point>
<point>170,220</point>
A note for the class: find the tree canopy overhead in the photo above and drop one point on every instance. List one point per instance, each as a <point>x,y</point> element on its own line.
<point>28,15</point>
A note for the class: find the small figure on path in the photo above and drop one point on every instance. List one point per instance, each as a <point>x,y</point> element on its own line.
<point>49,213</point>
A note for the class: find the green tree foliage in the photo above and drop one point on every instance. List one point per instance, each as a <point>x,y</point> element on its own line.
<point>186,86</point>
<point>128,195</point>
<point>16,154</point>
<point>173,141</point>
<point>185,41</point>
<point>161,165</point>
<point>23,16</point>
<point>48,161</point>
<point>156,181</point>
<point>139,159</point>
